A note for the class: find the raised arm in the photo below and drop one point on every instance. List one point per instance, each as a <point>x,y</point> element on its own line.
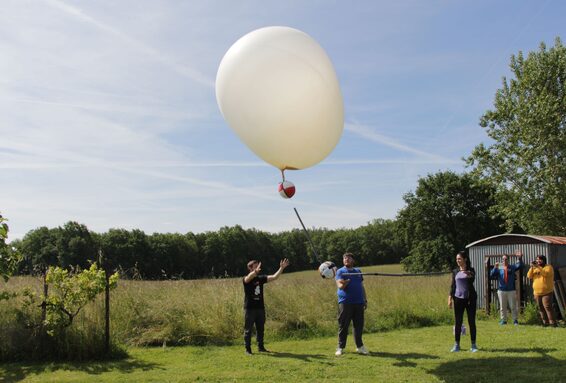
<point>254,273</point>
<point>519,265</point>
<point>282,265</point>
<point>534,270</point>
<point>494,273</point>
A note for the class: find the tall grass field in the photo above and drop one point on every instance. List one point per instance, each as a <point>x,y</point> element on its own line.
<point>210,312</point>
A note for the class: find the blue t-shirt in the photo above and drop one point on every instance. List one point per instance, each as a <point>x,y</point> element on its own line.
<point>354,293</point>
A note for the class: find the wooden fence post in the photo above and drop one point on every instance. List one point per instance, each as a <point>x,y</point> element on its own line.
<point>107,313</point>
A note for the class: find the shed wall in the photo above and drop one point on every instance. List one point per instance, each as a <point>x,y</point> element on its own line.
<point>530,251</point>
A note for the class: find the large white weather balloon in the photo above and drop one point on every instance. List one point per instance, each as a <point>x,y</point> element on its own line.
<point>278,91</point>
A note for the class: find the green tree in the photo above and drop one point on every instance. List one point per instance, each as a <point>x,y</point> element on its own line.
<point>381,242</point>
<point>39,249</point>
<point>127,251</point>
<point>75,245</point>
<point>9,257</point>
<point>430,255</point>
<point>448,211</point>
<point>70,292</point>
<point>172,255</point>
<point>527,160</point>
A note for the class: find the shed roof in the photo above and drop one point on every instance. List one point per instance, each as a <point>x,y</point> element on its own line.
<point>517,239</point>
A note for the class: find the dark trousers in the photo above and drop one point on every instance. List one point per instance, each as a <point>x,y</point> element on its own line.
<point>254,317</point>
<point>545,309</point>
<point>469,305</point>
<point>346,314</point>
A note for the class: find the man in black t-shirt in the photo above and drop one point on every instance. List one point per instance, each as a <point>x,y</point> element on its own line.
<point>254,308</point>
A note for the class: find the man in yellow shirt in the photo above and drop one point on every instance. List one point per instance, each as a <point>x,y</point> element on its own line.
<point>543,288</point>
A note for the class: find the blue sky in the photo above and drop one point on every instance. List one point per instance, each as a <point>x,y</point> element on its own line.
<point>108,113</point>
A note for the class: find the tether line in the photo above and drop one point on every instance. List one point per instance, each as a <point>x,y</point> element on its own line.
<point>317,259</point>
<point>403,275</point>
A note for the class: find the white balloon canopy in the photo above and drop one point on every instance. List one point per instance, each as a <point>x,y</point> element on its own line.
<point>278,91</point>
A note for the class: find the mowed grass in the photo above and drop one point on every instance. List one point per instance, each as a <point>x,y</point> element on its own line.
<point>507,354</point>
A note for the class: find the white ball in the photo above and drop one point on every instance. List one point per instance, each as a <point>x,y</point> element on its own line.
<point>327,270</point>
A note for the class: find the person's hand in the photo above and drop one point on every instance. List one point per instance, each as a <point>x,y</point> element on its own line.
<point>365,305</point>
<point>284,263</point>
<point>449,302</point>
<point>257,268</point>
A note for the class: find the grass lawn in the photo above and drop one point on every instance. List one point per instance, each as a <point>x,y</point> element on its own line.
<point>507,354</point>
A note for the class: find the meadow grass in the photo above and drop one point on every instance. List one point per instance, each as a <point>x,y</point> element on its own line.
<point>507,354</point>
<point>299,305</point>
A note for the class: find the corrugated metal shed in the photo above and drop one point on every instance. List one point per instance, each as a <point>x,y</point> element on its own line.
<point>554,248</point>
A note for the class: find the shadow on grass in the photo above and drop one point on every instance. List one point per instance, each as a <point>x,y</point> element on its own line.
<point>509,368</point>
<point>403,360</point>
<point>15,372</point>
<point>302,357</point>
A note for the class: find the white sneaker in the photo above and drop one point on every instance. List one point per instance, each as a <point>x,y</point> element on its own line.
<point>339,351</point>
<point>362,350</point>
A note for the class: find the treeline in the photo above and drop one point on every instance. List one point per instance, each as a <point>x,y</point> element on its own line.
<point>222,253</point>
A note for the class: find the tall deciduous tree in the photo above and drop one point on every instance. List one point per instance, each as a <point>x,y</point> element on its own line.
<point>39,249</point>
<point>527,160</point>
<point>446,212</point>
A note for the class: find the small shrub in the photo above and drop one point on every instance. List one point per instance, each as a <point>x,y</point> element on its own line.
<point>530,314</point>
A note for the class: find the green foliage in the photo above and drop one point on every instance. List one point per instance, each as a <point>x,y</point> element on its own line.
<point>446,212</point>
<point>35,326</point>
<point>219,254</point>
<point>75,246</point>
<point>9,257</point>
<point>430,255</point>
<point>70,292</point>
<point>531,314</point>
<point>39,250</point>
<point>526,161</point>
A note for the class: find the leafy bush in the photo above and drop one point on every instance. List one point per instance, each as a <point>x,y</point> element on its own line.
<point>38,326</point>
<point>530,313</point>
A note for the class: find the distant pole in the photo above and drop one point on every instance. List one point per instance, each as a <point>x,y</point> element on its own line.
<point>317,259</point>
<point>107,314</point>
<point>106,303</point>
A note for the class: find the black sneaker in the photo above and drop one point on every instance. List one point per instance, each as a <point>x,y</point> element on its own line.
<point>248,351</point>
<point>262,349</point>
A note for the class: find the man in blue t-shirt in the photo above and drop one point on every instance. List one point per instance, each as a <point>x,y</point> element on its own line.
<point>351,304</point>
<point>505,275</point>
